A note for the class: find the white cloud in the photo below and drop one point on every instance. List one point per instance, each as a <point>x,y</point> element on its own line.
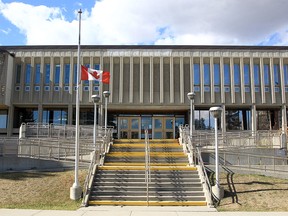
<point>156,22</point>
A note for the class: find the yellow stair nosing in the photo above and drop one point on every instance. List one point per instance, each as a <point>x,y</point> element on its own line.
<point>150,203</point>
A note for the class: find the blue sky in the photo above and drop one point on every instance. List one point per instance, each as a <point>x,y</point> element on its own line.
<point>117,22</point>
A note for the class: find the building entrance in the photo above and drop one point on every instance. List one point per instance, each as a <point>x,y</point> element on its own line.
<point>159,127</point>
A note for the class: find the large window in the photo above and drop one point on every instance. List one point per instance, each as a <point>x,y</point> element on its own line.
<point>266,75</point>
<point>18,73</point>
<point>75,74</point>
<point>238,119</point>
<point>236,74</point>
<point>276,74</point>
<point>217,74</point>
<point>196,74</point>
<point>286,74</point>
<point>227,74</point>
<point>55,116</point>
<point>47,74</point>
<point>246,74</point>
<point>66,74</point>
<point>37,73</point>
<point>206,74</point>
<point>3,118</point>
<point>25,115</point>
<point>256,75</point>
<point>57,74</point>
<point>203,120</point>
<point>28,74</point>
<point>268,119</point>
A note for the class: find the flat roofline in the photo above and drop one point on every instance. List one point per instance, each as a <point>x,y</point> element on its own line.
<point>176,47</point>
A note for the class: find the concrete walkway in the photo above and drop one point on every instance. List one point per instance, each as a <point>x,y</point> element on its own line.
<point>135,211</point>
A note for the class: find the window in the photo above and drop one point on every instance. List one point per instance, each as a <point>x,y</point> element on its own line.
<point>256,74</point>
<point>236,74</point>
<point>238,119</point>
<point>226,74</point>
<point>24,115</point>
<point>206,74</point>
<point>18,73</point>
<point>66,74</point>
<point>28,74</point>
<point>203,120</point>
<point>56,116</point>
<point>96,67</point>
<point>75,74</point>
<point>57,74</point>
<point>217,74</point>
<point>3,118</point>
<point>47,74</point>
<point>286,74</point>
<point>37,74</point>
<point>196,74</point>
<point>266,74</point>
<point>268,119</point>
<point>86,82</point>
<point>247,74</point>
<point>276,74</point>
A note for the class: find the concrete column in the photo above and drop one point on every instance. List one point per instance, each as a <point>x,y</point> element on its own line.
<point>161,80</point>
<point>40,113</point>
<point>242,80</point>
<point>10,120</point>
<point>181,84</point>
<point>253,119</point>
<point>171,80</point>
<point>284,127</point>
<point>223,119</point>
<point>131,81</point>
<point>151,80</point>
<point>121,81</point>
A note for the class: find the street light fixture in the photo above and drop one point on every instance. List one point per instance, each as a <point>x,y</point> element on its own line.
<point>95,99</point>
<point>216,113</point>
<point>191,96</point>
<point>106,94</point>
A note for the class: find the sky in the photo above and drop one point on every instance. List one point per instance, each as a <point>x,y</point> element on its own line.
<point>144,22</point>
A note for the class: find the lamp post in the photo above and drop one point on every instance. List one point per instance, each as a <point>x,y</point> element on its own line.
<point>95,99</point>
<point>106,94</point>
<point>191,96</point>
<point>219,192</point>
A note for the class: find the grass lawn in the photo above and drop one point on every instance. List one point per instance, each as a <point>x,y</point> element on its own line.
<point>255,193</point>
<point>39,190</point>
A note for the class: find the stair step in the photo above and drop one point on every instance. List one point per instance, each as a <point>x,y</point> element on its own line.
<point>151,198</point>
<point>150,203</point>
<point>125,166</point>
<point>143,188</point>
<point>144,193</point>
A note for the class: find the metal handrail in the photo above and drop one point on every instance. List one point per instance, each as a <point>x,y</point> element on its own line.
<point>213,198</point>
<point>88,182</point>
<point>147,165</point>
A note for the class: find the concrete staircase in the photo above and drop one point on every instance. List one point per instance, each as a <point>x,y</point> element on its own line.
<point>121,180</point>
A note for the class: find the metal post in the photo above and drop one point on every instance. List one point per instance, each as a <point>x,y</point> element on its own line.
<point>95,99</point>
<point>217,190</point>
<point>106,95</point>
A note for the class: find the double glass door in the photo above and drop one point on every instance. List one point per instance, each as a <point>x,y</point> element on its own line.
<point>159,127</point>
<point>163,128</point>
<point>129,127</point>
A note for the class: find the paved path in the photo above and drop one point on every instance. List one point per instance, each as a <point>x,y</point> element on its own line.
<point>135,211</point>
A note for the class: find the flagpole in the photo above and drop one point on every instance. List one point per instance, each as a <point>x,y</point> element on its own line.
<point>76,190</point>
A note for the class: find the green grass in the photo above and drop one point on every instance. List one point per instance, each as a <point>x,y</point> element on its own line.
<point>38,190</point>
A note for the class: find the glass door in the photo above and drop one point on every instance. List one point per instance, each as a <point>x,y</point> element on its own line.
<point>163,128</point>
<point>129,128</point>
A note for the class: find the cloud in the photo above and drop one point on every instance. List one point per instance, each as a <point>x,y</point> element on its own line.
<point>245,22</point>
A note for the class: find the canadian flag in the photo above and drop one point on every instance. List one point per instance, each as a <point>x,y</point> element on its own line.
<point>92,74</point>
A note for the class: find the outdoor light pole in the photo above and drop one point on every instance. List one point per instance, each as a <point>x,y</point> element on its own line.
<point>216,113</point>
<point>106,95</point>
<point>95,99</point>
<point>191,96</point>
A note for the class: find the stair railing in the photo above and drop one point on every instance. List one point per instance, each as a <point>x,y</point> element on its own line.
<point>212,198</point>
<point>147,165</point>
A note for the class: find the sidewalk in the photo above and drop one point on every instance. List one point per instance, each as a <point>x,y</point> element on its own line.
<point>135,211</point>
